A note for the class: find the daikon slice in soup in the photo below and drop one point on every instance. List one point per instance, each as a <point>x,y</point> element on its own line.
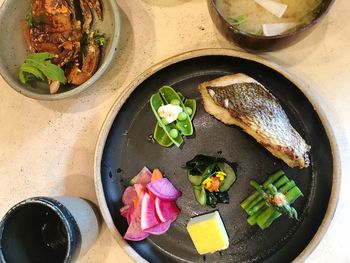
<point>269,17</point>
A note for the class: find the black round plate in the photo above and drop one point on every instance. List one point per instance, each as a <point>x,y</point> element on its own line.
<point>128,149</point>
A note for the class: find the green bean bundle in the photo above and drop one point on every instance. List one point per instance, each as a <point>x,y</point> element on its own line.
<point>271,200</point>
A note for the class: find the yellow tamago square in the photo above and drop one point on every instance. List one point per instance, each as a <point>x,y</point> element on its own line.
<point>208,233</point>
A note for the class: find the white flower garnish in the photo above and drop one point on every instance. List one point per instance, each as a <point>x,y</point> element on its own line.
<point>169,112</point>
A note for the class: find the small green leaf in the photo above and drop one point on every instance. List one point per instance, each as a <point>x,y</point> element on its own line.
<point>40,56</point>
<point>29,18</point>
<point>34,71</point>
<point>24,77</point>
<point>238,20</point>
<point>38,65</point>
<point>99,38</point>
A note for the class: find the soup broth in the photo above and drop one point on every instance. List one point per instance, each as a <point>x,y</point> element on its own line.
<point>248,16</point>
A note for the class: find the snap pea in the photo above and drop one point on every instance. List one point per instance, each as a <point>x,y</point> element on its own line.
<point>188,110</point>
<point>169,94</point>
<point>182,116</point>
<point>161,137</point>
<point>174,133</point>
<point>156,101</point>
<point>159,134</point>
<point>175,102</point>
<point>191,103</point>
<point>182,97</point>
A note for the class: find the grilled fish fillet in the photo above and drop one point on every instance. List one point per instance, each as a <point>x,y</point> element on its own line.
<point>240,100</point>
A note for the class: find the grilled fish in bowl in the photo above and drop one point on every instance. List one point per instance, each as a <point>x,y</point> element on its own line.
<point>240,100</point>
<point>64,28</point>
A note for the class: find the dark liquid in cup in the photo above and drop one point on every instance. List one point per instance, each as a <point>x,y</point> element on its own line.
<point>34,233</point>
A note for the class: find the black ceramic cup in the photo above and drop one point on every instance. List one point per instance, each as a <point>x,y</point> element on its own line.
<point>43,229</point>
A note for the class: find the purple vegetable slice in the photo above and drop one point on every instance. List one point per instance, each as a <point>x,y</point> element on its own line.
<point>166,210</point>
<point>143,177</point>
<point>129,195</point>
<point>159,229</point>
<point>134,231</point>
<point>148,213</point>
<point>164,190</point>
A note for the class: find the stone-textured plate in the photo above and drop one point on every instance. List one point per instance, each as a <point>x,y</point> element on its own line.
<point>123,149</point>
<point>13,49</point>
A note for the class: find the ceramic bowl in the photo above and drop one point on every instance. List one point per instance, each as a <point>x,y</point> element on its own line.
<point>263,43</point>
<point>13,49</point>
<point>123,149</point>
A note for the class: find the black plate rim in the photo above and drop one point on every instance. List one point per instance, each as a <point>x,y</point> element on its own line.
<point>302,86</point>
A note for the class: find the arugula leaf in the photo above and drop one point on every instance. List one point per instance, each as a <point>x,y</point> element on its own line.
<point>99,38</point>
<point>39,66</point>
<point>238,20</point>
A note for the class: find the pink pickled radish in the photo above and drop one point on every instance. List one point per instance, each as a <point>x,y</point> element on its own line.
<point>148,213</point>
<point>164,189</point>
<point>129,195</point>
<point>127,211</point>
<point>124,210</point>
<point>134,231</point>
<point>159,229</point>
<point>143,177</point>
<point>166,210</point>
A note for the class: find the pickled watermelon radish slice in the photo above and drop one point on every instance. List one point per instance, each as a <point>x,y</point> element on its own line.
<point>130,213</point>
<point>159,229</point>
<point>124,210</point>
<point>143,177</point>
<point>166,210</point>
<point>127,211</point>
<point>129,195</point>
<point>139,188</point>
<point>134,231</point>
<point>164,189</point>
<point>148,213</point>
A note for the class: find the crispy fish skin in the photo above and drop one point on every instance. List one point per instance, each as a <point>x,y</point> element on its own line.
<point>240,100</point>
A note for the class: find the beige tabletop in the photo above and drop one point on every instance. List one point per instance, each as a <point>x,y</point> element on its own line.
<point>47,148</point>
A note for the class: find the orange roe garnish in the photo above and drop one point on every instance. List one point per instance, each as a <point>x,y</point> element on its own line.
<point>214,184</point>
